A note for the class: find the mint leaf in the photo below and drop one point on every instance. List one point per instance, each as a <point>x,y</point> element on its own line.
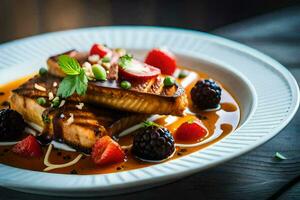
<point>81,83</point>
<point>125,61</point>
<point>76,79</point>
<point>67,87</point>
<point>68,65</point>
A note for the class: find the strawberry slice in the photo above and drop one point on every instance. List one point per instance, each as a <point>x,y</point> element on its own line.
<point>28,147</point>
<point>162,59</point>
<point>107,151</point>
<point>191,131</point>
<point>100,50</point>
<point>131,69</point>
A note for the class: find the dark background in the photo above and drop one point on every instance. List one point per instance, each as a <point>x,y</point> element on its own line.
<point>20,18</point>
<point>271,26</point>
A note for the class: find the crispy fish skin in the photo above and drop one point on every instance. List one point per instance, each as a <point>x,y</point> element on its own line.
<point>149,97</point>
<point>88,125</point>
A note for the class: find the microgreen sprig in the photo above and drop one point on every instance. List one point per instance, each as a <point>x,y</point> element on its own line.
<point>125,61</point>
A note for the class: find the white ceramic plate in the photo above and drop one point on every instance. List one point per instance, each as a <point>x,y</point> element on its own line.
<point>267,92</point>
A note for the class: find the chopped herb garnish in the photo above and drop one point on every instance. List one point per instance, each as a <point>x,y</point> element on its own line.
<point>41,101</point>
<point>150,123</point>
<point>169,81</point>
<point>125,85</point>
<point>46,119</point>
<point>76,79</point>
<point>55,102</point>
<point>183,74</point>
<point>125,61</point>
<point>105,59</point>
<point>280,156</point>
<point>43,71</point>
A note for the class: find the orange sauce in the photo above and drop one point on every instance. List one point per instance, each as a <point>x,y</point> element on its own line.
<point>223,121</point>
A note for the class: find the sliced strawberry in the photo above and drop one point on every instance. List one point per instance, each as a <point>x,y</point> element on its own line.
<point>107,151</point>
<point>131,69</point>
<point>190,131</point>
<point>28,147</point>
<point>100,50</point>
<point>163,60</point>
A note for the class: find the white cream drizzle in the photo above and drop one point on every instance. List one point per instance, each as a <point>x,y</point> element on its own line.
<point>51,166</point>
<point>62,146</point>
<point>8,143</point>
<point>138,126</point>
<point>189,79</point>
<point>157,161</point>
<point>35,126</point>
<point>126,147</point>
<point>31,131</point>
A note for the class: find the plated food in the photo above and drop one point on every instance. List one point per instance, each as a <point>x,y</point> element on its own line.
<point>105,111</point>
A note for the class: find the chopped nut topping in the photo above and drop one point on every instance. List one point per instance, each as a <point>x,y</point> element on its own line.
<point>51,96</point>
<point>71,119</point>
<point>80,106</point>
<point>55,84</point>
<point>38,87</point>
<point>62,103</point>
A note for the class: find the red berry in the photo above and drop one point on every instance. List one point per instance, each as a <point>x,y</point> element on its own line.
<point>28,147</point>
<point>99,50</point>
<point>190,131</point>
<point>107,151</point>
<point>163,60</point>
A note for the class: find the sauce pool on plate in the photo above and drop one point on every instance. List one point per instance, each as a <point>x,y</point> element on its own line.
<point>218,123</point>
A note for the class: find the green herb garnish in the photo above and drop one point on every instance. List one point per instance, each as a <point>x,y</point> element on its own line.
<point>46,119</point>
<point>41,101</point>
<point>150,123</point>
<point>125,61</point>
<point>105,59</point>
<point>125,85</point>
<point>280,156</point>
<point>43,71</point>
<point>169,81</point>
<point>55,102</point>
<point>75,81</point>
<point>183,74</point>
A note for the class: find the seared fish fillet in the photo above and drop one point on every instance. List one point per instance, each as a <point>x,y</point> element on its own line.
<point>81,132</point>
<point>150,97</point>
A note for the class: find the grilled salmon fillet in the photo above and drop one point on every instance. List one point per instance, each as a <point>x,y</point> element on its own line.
<point>149,97</point>
<point>79,128</point>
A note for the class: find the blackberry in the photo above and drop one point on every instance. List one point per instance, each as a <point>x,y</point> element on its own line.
<point>12,125</point>
<point>206,94</point>
<point>153,143</point>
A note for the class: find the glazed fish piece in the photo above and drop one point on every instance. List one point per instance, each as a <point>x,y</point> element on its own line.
<point>149,97</point>
<point>79,128</point>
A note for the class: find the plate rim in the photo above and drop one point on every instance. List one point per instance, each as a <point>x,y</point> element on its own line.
<point>228,43</point>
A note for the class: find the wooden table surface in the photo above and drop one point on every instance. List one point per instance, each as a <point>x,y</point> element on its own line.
<point>256,175</point>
